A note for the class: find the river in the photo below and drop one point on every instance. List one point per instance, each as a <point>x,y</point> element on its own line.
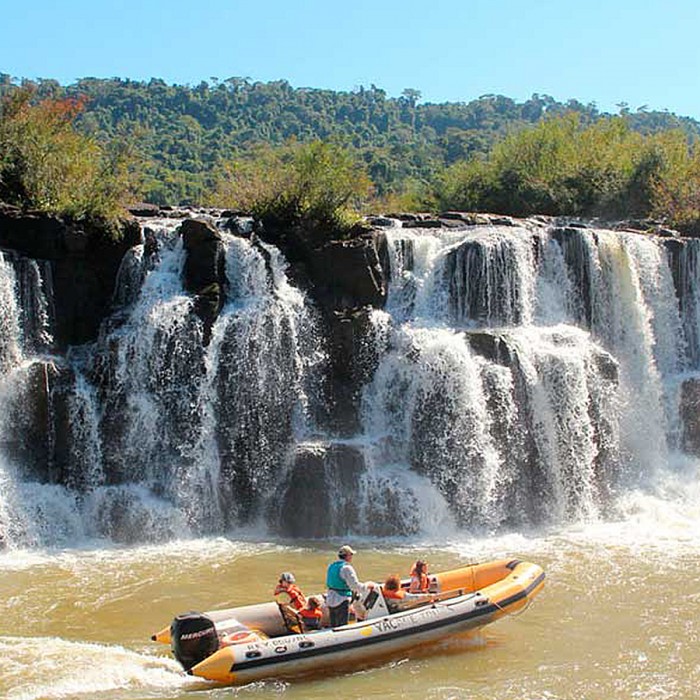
<point>617,619</point>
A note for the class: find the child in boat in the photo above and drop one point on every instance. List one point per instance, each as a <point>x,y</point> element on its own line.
<point>419,577</point>
<point>394,594</point>
<point>311,614</point>
<point>287,585</point>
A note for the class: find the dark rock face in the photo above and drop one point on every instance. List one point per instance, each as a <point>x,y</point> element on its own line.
<point>425,223</point>
<point>243,226</point>
<point>145,210</point>
<point>26,419</point>
<point>345,278</point>
<point>490,345</point>
<point>344,500</point>
<point>204,273</point>
<point>84,265</point>
<point>317,472</point>
<point>353,360</point>
<point>338,274</point>
<point>579,263</point>
<point>483,284</point>
<point>348,274</point>
<point>690,415</point>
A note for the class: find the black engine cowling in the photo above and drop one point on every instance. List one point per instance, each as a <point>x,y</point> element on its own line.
<point>193,638</point>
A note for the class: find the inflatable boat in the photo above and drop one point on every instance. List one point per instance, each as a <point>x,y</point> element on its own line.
<point>268,640</point>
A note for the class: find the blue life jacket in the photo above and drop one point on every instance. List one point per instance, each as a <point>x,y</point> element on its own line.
<point>334,580</point>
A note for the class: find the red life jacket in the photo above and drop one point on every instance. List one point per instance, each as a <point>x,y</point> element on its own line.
<point>296,597</point>
<point>394,595</point>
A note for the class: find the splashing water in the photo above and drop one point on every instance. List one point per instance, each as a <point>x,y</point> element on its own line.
<point>520,375</point>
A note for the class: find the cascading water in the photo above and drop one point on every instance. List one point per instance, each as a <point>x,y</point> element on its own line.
<point>30,512</point>
<point>530,371</point>
<point>520,375</point>
<point>10,327</point>
<point>153,434</point>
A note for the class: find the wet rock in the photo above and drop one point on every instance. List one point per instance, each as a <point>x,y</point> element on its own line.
<point>578,261</point>
<point>26,418</point>
<point>84,262</point>
<point>452,223</point>
<point>318,497</point>
<point>690,415</point>
<point>482,284</point>
<point>423,223</point>
<point>503,221</point>
<point>145,210</point>
<point>407,216</point>
<point>490,345</point>
<point>348,274</point>
<point>380,221</point>
<point>327,492</point>
<point>243,226</point>
<point>465,218</point>
<point>205,270</point>
<point>353,359</point>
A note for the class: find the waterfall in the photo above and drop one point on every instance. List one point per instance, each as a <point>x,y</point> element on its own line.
<point>154,434</point>
<point>518,376</point>
<point>10,322</point>
<point>31,512</point>
<point>531,370</point>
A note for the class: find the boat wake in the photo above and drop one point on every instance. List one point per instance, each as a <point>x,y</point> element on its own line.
<point>70,669</point>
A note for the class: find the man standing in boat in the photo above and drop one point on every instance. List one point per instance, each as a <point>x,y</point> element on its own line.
<point>342,582</point>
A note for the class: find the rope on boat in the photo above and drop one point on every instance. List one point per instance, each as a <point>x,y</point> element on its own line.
<point>516,613</point>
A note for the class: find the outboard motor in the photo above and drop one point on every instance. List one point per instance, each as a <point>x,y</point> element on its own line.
<point>193,638</point>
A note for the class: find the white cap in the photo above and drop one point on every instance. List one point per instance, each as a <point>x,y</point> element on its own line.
<point>345,550</point>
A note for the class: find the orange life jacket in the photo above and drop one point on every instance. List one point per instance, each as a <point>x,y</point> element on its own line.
<point>394,595</point>
<point>419,583</point>
<point>296,597</point>
<point>311,614</point>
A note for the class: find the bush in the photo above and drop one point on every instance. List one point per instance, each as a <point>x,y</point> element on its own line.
<point>46,164</point>
<point>318,186</point>
<point>563,167</point>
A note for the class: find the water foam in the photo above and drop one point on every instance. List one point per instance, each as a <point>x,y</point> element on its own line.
<point>69,669</point>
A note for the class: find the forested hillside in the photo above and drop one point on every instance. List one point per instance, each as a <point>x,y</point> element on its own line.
<point>186,134</point>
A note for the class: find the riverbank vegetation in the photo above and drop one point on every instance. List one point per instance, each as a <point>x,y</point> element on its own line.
<point>319,186</point>
<point>563,166</point>
<point>47,164</point>
<point>320,157</point>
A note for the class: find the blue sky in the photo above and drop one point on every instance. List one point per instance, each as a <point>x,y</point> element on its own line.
<point>641,53</point>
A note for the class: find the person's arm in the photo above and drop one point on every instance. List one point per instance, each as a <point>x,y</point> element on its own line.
<point>348,574</point>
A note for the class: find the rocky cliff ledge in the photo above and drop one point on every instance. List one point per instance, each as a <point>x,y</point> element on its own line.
<point>83,259</point>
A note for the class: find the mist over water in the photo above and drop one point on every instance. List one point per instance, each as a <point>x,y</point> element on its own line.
<point>526,400</point>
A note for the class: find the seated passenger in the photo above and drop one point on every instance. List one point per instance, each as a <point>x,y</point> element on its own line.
<point>394,594</point>
<point>419,577</point>
<point>287,585</point>
<point>392,588</point>
<point>311,615</point>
